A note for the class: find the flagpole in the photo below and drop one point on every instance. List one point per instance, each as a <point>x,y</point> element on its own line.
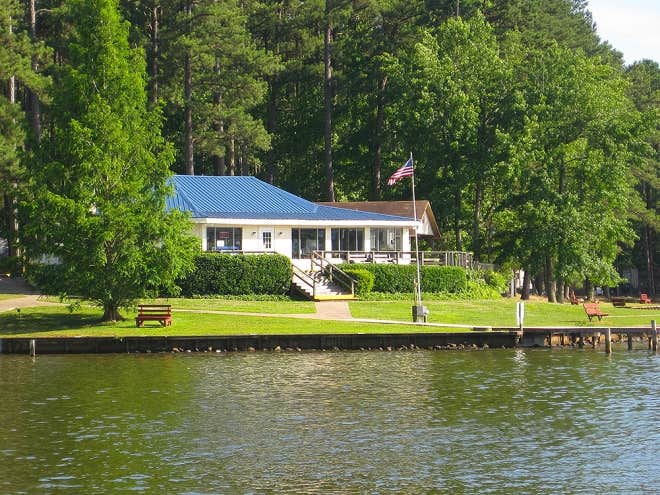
<point>418,293</point>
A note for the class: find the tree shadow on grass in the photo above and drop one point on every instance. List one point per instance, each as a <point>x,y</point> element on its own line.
<point>16,323</point>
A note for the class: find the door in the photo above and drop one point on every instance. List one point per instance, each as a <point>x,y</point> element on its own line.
<point>266,238</point>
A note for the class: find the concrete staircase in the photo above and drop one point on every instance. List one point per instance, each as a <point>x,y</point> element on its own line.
<point>316,286</point>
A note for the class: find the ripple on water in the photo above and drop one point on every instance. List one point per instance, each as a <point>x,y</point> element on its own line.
<point>503,421</point>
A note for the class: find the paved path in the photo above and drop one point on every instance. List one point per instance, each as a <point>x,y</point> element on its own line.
<point>325,310</point>
<point>24,301</point>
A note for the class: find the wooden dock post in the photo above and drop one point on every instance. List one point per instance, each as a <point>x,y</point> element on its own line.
<point>608,341</point>
<point>654,337</point>
<point>630,341</point>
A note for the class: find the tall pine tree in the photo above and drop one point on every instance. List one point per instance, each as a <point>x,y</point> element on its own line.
<point>99,188</point>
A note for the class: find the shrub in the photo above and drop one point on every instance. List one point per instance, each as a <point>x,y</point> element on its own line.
<point>401,278</point>
<point>236,274</point>
<point>48,278</point>
<point>9,265</point>
<point>496,280</point>
<point>365,280</point>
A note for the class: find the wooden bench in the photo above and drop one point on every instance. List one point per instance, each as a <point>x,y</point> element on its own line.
<point>618,302</point>
<point>644,299</point>
<point>593,309</point>
<point>154,312</point>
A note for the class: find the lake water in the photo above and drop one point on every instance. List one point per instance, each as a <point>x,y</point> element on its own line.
<point>498,421</point>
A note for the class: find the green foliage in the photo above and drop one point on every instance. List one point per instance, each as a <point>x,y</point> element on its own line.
<point>48,278</point>
<point>496,280</point>
<point>401,278</point>
<point>229,274</point>
<point>480,290</point>
<point>96,200</point>
<point>365,280</point>
<point>9,264</point>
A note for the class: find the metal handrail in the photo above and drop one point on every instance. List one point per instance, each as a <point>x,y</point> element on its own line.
<point>332,272</point>
<point>305,278</point>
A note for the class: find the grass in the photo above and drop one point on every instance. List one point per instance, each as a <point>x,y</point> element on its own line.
<point>243,306</point>
<point>56,321</point>
<point>502,313</point>
<point>9,296</point>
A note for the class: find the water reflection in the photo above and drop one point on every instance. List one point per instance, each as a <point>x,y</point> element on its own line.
<point>498,421</point>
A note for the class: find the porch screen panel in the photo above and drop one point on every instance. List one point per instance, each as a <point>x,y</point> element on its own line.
<point>304,241</point>
<point>224,239</point>
<point>386,239</point>
<point>347,239</point>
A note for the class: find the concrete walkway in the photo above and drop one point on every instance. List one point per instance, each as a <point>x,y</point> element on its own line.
<point>325,310</point>
<point>25,301</point>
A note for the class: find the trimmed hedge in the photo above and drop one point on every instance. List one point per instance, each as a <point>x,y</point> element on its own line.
<point>365,280</point>
<point>237,274</point>
<point>401,278</point>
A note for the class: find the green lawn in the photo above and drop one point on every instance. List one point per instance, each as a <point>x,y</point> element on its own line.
<point>58,321</point>
<point>502,312</point>
<point>52,321</point>
<point>219,304</point>
<point>9,296</point>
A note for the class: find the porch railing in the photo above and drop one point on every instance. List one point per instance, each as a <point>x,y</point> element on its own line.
<point>443,258</point>
<point>334,274</point>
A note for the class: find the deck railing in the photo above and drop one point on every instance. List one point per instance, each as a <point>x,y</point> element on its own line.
<point>443,258</point>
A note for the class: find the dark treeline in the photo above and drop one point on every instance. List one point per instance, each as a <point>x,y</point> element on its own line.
<point>536,145</point>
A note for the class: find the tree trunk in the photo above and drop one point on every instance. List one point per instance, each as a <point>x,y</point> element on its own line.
<point>526,286</point>
<point>589,290</point>
<point>550,284</point>
<point>328,99</point>
<point>12,222</point>
<point>650,264</point>
<point>374,193</point>
<point>458,203</point>
<point>35,105</point>
<point>155,47</point>
<point>231,169</point>
<point>560,291</point>
<point>245,165</point>
<point>187,90</point>
<point>539,284</point>
<point>476,220</point>
<point>111,312</point>
<point>219,156</point>
<point>271,123</point>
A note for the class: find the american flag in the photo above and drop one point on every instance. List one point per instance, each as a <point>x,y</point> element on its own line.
<point>405,171</point>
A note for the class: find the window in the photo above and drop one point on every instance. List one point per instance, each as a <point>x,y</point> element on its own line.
<point>347,239</point>
<point>386,239</point>
<point>267,239</point>
<point>224,239</point>
<point>304,241</point>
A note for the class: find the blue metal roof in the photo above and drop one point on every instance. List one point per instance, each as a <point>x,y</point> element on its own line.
<point>243,197</point>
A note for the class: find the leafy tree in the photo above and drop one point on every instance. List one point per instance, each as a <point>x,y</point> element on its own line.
<point>20,80</point>
<point>215,75</point>
<point>455,108</point>
<point>644,91</point>
<point>97,192</point>
<point>572,192</point>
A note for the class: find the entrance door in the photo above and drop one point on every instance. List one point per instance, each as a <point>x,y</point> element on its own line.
<point>266,238</point>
